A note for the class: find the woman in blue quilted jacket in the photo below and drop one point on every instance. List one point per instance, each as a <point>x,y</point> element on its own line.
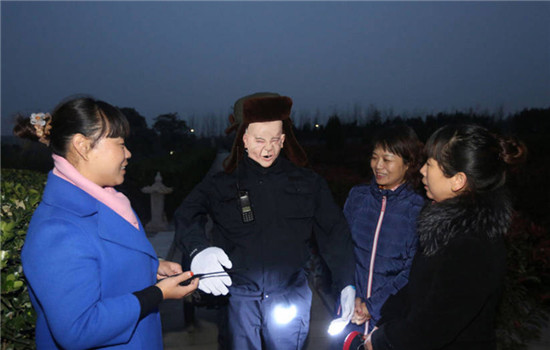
<point>382,219</point>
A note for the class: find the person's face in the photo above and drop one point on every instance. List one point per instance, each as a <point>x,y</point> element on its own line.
<point>264,141</point>
<point>107,160</point>
<point>438,186</point>
<point>388,168</point>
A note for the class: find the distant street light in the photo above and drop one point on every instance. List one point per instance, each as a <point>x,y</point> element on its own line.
<point>317,126</point>
<point>192,130</point>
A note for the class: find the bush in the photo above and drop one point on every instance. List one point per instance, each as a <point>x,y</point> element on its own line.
<point>525,306</point>
<point>21,193</point>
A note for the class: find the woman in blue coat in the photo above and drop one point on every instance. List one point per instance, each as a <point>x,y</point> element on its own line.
<point>382,219</point>
<point>91,271</point>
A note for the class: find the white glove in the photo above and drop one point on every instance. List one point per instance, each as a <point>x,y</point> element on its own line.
<point>209,260</point>
<point>347,303</point>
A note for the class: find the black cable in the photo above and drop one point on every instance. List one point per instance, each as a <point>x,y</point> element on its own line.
<point>202,276</point>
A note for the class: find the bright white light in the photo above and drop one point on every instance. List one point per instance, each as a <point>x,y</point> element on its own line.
<point>192,130</point>
<point>317,125</point>
<point>284,315</point>
<point>337,326</point>
<point>171,153</point>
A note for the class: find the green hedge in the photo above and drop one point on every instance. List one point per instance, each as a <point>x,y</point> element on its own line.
<point>21,193</point>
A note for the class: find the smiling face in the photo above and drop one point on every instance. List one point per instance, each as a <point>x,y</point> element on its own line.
<point>438,186</point>
<point>264,141</point>
<point>388,168</point>
<point>106,162</point>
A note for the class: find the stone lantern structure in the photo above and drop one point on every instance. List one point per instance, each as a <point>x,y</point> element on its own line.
<point>158,218</point>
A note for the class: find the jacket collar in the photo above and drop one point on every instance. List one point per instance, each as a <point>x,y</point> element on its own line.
<point>483,215</point>
<point>60,193</point>
<point>276,167</point>
<point>398,192</point>
<point>111,226</point>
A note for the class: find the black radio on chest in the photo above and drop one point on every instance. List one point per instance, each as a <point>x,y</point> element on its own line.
<point>246,209</point>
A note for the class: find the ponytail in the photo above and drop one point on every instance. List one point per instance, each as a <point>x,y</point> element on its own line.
<point>36,127</point>
<point>512,151</point>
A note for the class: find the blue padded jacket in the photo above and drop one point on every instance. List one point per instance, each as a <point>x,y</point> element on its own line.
<point>396,245</point>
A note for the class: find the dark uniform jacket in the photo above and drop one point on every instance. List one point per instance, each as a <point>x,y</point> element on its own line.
<point>456,278</point>
<point>268,254</point>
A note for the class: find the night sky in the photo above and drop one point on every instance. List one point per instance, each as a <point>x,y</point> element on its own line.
<point>197,58</point>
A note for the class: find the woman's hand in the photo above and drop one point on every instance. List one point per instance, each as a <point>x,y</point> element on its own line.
<point>168,268</point>
<point>368,345</point>
<point>361,314</point>
<point>368,342</point>
<point>171,289</point>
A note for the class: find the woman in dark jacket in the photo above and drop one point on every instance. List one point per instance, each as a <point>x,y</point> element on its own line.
<point>457,274</point>
<point>382,218</point>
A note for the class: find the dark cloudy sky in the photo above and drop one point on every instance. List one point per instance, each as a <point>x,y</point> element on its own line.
<point>197,58</point>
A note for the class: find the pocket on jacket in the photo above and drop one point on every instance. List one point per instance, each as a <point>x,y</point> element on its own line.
<point>227,213</point>
<point>299,202</point>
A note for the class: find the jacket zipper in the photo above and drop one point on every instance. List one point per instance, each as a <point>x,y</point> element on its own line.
<point>373,253</point>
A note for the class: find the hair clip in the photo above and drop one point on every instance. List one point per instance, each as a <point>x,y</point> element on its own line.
<point>41,122</point>
<point>39,119</point>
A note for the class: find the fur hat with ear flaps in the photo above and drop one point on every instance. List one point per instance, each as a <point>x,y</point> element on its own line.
<point>258,108</point>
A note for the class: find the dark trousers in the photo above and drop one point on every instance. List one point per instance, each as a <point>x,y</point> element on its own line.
<point>252,322</point>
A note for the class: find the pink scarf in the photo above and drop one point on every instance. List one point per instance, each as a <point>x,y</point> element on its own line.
<point>115,200</point>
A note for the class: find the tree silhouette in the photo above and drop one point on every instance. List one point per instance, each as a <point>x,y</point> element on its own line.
<point>174,133</point>
<point>334,133</point>
<point>142,141</point>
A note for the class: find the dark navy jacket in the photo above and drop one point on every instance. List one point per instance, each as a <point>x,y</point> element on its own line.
<point>269,254</point>
<point>397,240</point>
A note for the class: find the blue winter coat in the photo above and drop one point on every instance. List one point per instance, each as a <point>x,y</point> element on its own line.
<point>82,262</point>
<point>397,240</point>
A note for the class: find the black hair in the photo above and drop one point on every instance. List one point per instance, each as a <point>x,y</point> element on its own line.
<point>92,118</point>
<point>472,149</point>
<point>402,141</point>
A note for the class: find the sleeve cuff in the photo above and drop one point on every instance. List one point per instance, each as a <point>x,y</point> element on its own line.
<point>196,251</point>
<point>149,299</point>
